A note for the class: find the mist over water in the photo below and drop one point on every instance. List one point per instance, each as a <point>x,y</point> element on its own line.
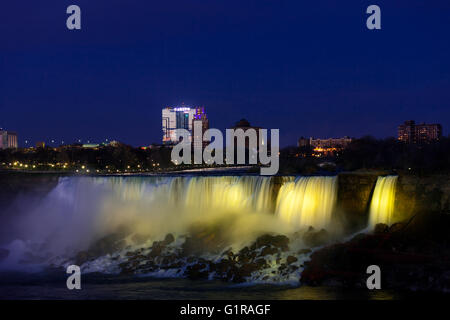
<point>230,210</point>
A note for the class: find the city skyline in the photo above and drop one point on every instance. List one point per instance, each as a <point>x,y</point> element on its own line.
<point>323,74</point>
<point>429,132</point>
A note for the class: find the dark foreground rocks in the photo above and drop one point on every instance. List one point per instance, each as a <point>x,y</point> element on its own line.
<point>202,255</point>
<point>227,266</point>
<point>411,255</point>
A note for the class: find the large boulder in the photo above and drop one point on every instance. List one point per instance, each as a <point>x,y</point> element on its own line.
<point>107,245</point>
<point>197,271</point>
<point>313,238</point>
<point>279,241</point>
<point>381,228</point>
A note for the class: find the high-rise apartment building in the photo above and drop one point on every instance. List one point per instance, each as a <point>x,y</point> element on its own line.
<point>200,115</point>
<point>180,117</point>
<point>8,139</point>
<point>410,132</point>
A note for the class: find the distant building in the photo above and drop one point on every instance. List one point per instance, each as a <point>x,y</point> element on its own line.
<point>338,143</point>
<point>8,139</point>
<point>200,115</point>
<point>115,143</point>
<point>303,142</point>
<point>245,126</point>
<point>410,132</point>
<point>179,117</point>
<point>324,147</point>
<point>40,144</point>
<point>90,145</point>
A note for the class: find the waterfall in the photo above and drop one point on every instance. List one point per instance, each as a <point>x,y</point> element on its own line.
<point>382,204</point>
<point>308,201</point>
<point>233,210</point>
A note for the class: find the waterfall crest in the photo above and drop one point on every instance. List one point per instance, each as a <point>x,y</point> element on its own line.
<point>383,199</point>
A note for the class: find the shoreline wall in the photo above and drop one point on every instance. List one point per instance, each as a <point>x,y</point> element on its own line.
<point>13,184</point>
<point>354,194</point>
<point>422,194</point>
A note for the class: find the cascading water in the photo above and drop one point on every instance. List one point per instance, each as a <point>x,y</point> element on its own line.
<point>80,210</point>
<point>308,201</point>
<point>105,219</point>
<point>383,200</point>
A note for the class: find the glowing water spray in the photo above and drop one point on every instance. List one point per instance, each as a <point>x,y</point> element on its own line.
<point>308,201</point>
<point>383,199</point>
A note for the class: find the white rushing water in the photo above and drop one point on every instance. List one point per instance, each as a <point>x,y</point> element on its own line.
<point>308,201</point>
<point>383,200</point>
<point>81,210</point>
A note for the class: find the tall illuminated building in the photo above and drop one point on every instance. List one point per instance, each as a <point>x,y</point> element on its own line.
<point>8,139</point>
<point>200,115</point>
<point>410,132</point>
<point>179,117</point>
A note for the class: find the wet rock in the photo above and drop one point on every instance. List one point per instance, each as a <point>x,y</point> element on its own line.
<point>293,268</point>
<point>197,271</point>
<point>245,255</point>
<point>222,266</point>
<point>397,227</point>
<point>169,259</point>
<point>137,258</point>
<point>175,265</point>
<point>205,238</point>
<point>314,238</point>
<point>128,268</point>
<point>381,228</point>
<point>407,261</point>
<point>107,245</point>
<point>246,270</point>
<point>304,251</point>
<point>358,237</point>
<point>291,259</point>
<point>192,246</point>
<point>156,249</point>
<point>279,241</point>
<point>261,263</point>
<point>268,250</point>
<point>168,239</point>
<point>229,254</point>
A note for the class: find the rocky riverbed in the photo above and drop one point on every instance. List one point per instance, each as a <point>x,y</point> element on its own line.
<point>413,256</point>
<point>205,255</point>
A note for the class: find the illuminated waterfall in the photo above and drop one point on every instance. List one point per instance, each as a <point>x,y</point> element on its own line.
<point>382,205</point>
<point>308,201</point>
<point>228,193</point>
<point>236,209</point>
<point>202,193</point>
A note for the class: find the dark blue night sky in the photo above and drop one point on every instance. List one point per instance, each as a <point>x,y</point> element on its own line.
<point>309,68</point>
